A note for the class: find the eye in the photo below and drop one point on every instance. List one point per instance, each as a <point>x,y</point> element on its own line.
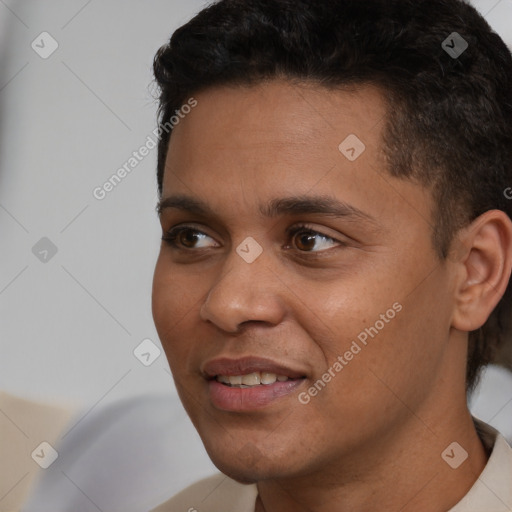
<point>307,241</point>
<point>184,237</point>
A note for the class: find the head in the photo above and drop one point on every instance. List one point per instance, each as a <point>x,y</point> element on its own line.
<point>412,273</point>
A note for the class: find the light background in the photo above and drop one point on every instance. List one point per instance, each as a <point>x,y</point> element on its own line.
<point>67,123</point>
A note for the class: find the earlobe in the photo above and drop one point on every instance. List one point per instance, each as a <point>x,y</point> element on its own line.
<point>485,269</point>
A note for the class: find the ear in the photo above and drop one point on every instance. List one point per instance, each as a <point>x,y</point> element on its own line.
<point>484,259</point>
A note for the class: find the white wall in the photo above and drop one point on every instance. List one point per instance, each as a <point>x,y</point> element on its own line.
<point>67,123</point>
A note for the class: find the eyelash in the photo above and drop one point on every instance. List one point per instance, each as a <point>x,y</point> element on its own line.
<point>171,236</point>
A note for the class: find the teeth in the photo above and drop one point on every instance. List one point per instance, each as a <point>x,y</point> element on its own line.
<point>251,379</point>
<point>268,378</point>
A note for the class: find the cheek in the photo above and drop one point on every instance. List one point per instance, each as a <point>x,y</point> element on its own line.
<point>387,348</point>
<point>404,357</point>
<point>171,301</point>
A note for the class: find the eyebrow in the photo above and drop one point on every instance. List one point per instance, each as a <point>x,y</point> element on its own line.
<point>295,205</point>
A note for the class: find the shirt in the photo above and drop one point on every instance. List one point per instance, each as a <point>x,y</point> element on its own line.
<point>492,491</point>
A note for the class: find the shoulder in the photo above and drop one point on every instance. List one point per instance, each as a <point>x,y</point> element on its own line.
<point>217,493</point>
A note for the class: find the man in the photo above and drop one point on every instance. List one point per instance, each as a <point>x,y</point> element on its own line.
<point>336,254</point>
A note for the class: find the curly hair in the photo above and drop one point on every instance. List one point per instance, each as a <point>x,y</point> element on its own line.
<point>449,116</point>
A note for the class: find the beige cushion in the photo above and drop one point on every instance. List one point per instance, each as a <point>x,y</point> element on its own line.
<point>24,425</point>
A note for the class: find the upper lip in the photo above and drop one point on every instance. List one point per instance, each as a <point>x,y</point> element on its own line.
<point>246,365</point>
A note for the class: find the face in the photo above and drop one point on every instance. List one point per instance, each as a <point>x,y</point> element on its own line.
<point>306,262</point>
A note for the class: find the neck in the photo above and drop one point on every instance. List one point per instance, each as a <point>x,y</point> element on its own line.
<point>404,472</point>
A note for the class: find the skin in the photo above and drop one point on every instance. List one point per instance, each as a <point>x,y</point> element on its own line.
<point>372,438</point>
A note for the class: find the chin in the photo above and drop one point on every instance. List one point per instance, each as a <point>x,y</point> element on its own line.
<point>244,474</point>
<point>248,464</point>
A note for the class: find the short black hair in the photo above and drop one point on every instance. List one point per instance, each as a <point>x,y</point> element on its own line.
<point>449,107</point>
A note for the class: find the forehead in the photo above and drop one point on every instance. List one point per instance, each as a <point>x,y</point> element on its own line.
<point>251,144</point>
<point>282,115</point>
<point>274,129</point>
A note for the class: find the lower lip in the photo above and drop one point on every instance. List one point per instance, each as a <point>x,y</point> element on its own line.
<point>247,399</point>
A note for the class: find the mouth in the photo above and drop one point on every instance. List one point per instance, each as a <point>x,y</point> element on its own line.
<point>251,380</point>
<point>250,383</point>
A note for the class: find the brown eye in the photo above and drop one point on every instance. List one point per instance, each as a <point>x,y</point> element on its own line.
<point>308,239</point>
<point>188,238</point>
<point>185,237</point>
<point>305,242</point>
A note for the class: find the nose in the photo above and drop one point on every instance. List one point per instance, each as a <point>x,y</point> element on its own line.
<point>245,292</point>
